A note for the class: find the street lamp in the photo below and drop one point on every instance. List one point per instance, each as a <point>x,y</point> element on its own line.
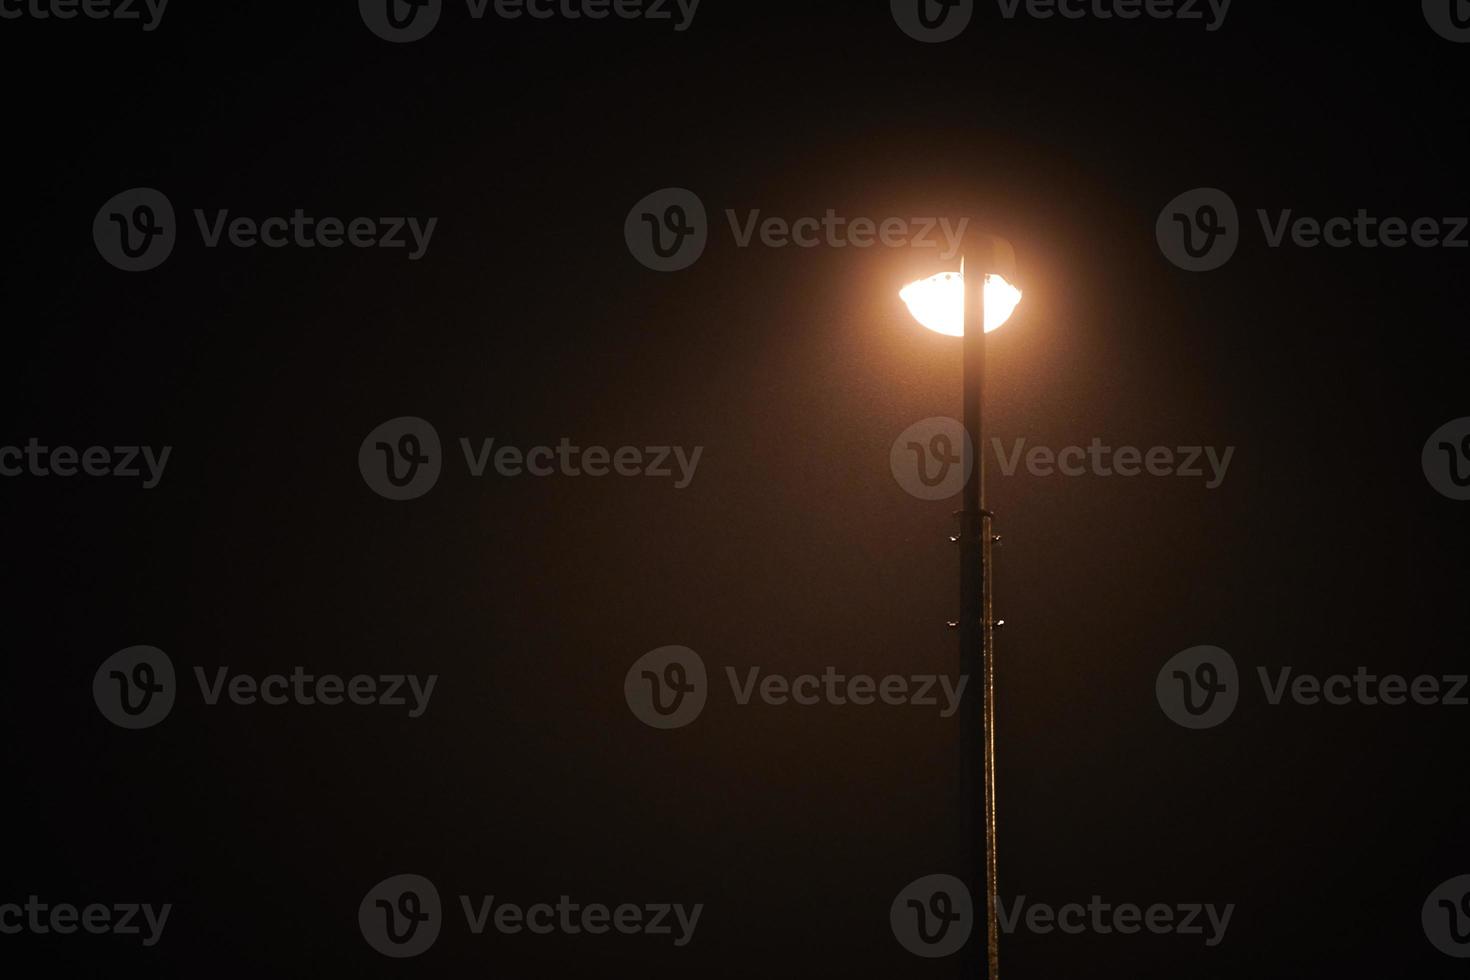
<point>944,305</point>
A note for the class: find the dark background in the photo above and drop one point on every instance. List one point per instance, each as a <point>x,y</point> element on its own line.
<point>794,548</point>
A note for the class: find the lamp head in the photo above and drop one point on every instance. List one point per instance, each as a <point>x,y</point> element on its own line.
<point>939,302</point>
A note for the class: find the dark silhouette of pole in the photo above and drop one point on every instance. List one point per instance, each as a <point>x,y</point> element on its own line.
<point>977,630</point>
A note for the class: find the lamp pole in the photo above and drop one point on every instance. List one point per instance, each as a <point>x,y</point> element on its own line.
<point>977,629</point>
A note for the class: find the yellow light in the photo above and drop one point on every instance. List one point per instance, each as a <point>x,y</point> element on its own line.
<point>939,302</point>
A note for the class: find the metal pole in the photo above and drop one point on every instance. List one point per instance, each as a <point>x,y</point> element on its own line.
<point>976,628</point>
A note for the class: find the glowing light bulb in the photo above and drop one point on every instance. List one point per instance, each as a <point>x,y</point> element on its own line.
<point>939,302</point>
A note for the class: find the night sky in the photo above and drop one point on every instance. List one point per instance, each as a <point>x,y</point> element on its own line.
<point>1325,548</point>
